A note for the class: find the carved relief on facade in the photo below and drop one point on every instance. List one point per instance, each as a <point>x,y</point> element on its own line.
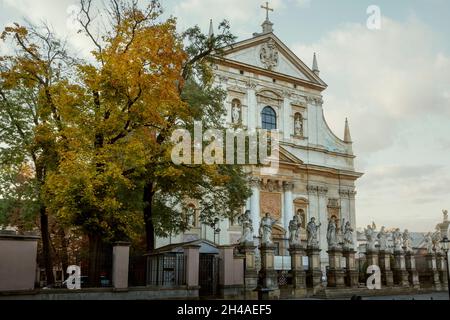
<point>269,97</point>
<point>270,202</point>
<point>334,210</point>
<point>268,54</point>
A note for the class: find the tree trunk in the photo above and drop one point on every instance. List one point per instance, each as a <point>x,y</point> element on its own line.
<point>149,227</point>
<point>64,250</point>
<point>46,248</point>
<point>95,246</point>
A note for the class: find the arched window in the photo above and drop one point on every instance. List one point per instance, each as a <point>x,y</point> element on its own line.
<point>269,119</point>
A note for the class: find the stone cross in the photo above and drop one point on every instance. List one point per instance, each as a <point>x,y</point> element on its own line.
<point>267,10</point>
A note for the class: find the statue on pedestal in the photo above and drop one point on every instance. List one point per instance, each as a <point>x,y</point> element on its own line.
<point>235,112</point>
<point>383,239</point>
<point>397,236</point>
<point>311,230</point>
<point>445,213</point>
<point>294,231</point>
<point>437,237</point>
<point>265,229</point>
<point>247,228</point>
<point>348,235</point>
<point>429,243</point>
<point>407,243</point>
<point>371,237</point>
<point>331,233</point>
<point>298,125</point>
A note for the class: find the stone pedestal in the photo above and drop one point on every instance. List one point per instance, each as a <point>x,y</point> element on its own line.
<point>298,273</point>
<point>314,274</point>
<point>250,271</point>
<point>413,274</point>
<point>231,273</point>
<point>442,270</point>
<point>387,276</point>
<point>120,265</point>
<point>352,274</point>
<point>400,273</point>
<point>432,270</point>
<point>372,258</point>
<point>192,254</point>
<point>268,276</point>
<point>335,274</point>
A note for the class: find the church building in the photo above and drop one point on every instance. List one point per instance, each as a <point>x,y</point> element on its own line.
<point>269,87</point>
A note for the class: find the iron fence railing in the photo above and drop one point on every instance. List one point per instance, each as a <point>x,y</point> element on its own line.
<point>166,270</point>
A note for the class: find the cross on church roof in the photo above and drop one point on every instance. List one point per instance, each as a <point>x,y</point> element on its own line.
<point>267,8</point>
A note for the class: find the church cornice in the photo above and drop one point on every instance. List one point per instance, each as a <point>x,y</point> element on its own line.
<point>268,73</point>
<point>317,149</point>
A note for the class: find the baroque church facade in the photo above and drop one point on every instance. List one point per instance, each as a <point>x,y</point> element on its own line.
<point>269,87</point>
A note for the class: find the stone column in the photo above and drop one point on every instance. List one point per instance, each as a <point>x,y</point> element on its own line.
<point>298,273</point>
<point>252,106</point>
<point>120,265</point>
<point>442,269</point>
<point>323,218</point>
<point>400,273</point>
<point>352,274</point>
<point>229,285</point>
<point>267,274</point>
<point>288,212</point>
<point>387,277</point>
<point>335,274</point>
<point>314,273</point>
<point>254,205</point>
<point>192,254</point>
<point>433,272</point>
<point>250,271</point>
<point>287,121</point>
<point>413,274</point>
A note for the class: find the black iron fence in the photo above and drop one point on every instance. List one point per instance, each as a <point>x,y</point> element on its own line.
<point>166,270</point>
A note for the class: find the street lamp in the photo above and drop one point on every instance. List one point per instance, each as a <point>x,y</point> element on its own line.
<point>445,247</point>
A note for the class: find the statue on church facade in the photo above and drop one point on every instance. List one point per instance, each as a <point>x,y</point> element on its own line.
<point>348,235</point>
<point>371,236</point>
<point>398,240</point>
<point>265,229</point>
<point>311,230</point>
<point>269,54</point>
<point>294,231</point>
<point>383,239</point>
<point>298,125</point>
<point>331,233</point>
<point>235,111</point>
<point>407,243</point>
<point>190,217</point>
<point>247,228</point>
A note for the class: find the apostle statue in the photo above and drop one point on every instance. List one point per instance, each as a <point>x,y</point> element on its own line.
<point>247,228</point>
<point>348,235</point>
<point>383,239</point>
<point>371,237</point>
<point>311,230</point>
<point>397,236</point>
<point>407,243</point>
<point>331,233</point>
<point>437,237</point>
<point>429,243</point>
<point>294,231</point>
<point>445,213</point>
<point>265,229</point>
<point>190,217</point>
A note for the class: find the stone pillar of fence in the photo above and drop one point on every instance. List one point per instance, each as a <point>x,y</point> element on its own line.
<point>314,274</point>
<point>250,271</point>
<point>442,269</point>
<point>387,276</point>
<point>231,273</point>
<point>352,274</point>
<point>433,272</point>
<point>192,254</point>
<point>17,261</point>
<point>400,273</point>
<point>413,274</point>
<point>335,274</point>
<point>298,273</point>
<point>120,265</point>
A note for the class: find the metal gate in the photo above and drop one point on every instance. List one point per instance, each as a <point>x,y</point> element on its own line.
<point>209,275</point>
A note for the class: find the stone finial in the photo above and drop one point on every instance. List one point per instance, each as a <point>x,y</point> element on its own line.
<point>315,67</point>
<point>267,26</point>
<point>347,136</point>
<point>211,28</point>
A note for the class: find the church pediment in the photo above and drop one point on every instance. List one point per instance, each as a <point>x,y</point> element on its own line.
<point>268,53</point>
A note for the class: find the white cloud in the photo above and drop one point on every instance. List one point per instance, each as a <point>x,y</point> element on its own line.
<point>395,89</point>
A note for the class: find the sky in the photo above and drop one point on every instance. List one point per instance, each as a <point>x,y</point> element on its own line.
<point>393,84</point>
